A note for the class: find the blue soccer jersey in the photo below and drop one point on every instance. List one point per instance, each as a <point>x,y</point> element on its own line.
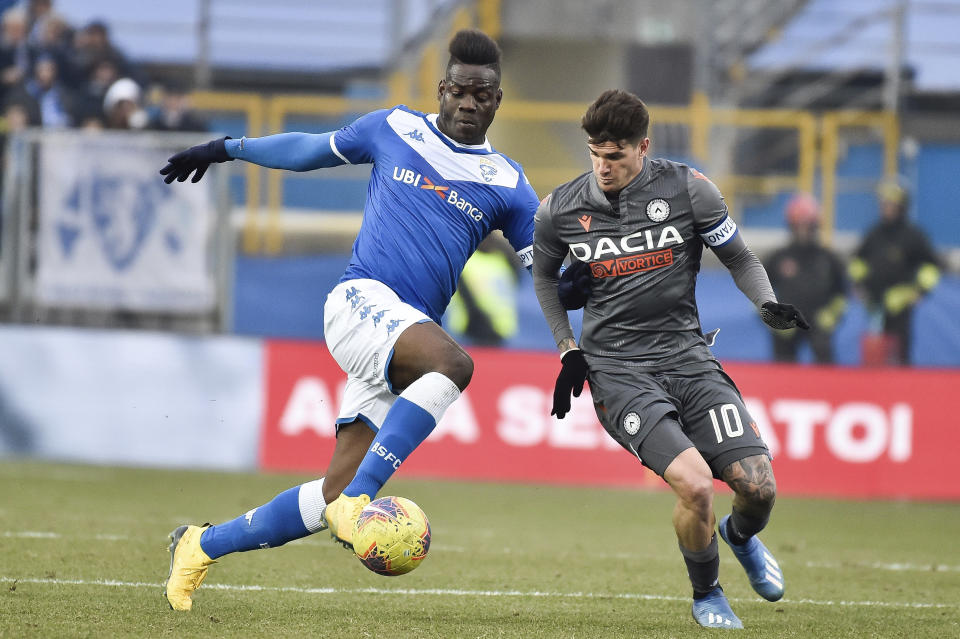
<point>430,202</point>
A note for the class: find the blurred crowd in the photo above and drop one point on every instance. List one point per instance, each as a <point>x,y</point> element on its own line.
<point>54,74</point>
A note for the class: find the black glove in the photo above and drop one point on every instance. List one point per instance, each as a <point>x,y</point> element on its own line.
<point>196,158</point>
<point>782,316</point>
<point>573,373</point>
<point>574,286</point>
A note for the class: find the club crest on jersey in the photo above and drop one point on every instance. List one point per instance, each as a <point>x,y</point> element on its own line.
<point>631,423</point>
<point>487,170</point>
<point>658,210</point>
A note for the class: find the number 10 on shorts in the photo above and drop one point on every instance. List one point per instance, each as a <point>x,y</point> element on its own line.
<point>732,424</point>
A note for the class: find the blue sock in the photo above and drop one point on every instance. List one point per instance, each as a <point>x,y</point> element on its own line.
<point>271,525</point>
<point>404,428</point>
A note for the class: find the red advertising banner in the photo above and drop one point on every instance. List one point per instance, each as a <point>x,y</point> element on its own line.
<point>833,431</point>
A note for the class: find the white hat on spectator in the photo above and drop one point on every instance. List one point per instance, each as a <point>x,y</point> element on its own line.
<point>122,89</point>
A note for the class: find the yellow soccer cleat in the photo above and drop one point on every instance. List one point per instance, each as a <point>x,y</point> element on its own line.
<point>188,566</point>
<point>341,514</point>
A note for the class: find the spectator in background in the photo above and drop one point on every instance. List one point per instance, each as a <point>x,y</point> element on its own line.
<point>54,100</point>
<point>812,277</point>
<point>484,308</point>
<point>94,89</point>
<point>174,113</point>
<point>121,106</point>
<point>37,13</point>
<point>14,52</point>
<point>893,268</point>
<point>92,45</point>
<point>54,39</point>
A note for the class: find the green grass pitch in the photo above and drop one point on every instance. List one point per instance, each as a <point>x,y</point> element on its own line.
<point>83,554</point>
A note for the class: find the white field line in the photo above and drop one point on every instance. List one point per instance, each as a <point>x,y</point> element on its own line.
<point>312,541</point>
<point>34,534</point>
<point>879,565</point>
<point>457,592</point>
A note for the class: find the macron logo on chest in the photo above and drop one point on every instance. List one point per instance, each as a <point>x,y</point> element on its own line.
<point>486,168</point>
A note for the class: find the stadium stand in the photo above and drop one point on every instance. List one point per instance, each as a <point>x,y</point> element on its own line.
<point>98,42</point>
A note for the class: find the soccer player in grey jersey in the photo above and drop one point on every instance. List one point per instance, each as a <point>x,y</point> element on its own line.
<point>635,228</point>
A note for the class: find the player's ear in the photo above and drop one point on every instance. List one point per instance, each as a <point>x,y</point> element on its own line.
<point>499,97</point>
<point>440,88</point>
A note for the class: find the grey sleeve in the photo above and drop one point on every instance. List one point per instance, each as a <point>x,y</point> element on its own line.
<point>548,255</point>
<point>720,233</point>
<point>747,271</point>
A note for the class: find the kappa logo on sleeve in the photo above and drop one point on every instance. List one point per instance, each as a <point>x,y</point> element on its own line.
<point>630,264</point>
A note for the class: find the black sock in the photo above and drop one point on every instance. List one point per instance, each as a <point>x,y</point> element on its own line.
<point>703,568</point>
<point>741,527</point>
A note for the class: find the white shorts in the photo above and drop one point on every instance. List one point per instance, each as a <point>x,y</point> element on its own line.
<point>362,320</point>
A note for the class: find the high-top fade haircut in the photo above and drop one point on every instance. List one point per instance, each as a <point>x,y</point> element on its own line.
<point>616,116</point>
<point>471,46</point>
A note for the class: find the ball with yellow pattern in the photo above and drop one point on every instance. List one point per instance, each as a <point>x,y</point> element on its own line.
<point>391,536</point>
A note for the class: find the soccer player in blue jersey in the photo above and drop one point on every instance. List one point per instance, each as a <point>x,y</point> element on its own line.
<point>436,190</point>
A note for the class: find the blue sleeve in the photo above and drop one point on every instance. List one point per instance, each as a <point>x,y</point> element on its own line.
<point>517,225</point>
<point>355,143</point>
<point>291,151</point>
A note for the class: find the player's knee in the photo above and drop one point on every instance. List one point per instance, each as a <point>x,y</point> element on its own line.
<point>458,367</point>
<point>762,496</point>
<point>695,490</point>
<point>752,480</point>
<point>761,493</point>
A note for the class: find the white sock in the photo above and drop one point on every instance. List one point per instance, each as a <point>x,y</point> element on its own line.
<point>312,505</point>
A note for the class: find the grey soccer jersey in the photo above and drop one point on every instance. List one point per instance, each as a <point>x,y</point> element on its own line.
<point>644,256</point>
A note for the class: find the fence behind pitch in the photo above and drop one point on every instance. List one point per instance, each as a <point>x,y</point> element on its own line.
<point>92,236</point>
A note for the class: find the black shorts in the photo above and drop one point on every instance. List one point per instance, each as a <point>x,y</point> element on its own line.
<point>656,416</point>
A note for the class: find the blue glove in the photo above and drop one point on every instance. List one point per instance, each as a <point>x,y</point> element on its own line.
<point>574,286</point>
<point>196,158</point>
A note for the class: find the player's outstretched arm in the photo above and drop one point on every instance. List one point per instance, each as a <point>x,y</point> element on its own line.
<point>718,231</point>
<point>290,151</point>
<point>752,280</point>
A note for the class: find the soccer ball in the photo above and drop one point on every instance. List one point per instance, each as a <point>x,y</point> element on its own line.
<point>391,536</point>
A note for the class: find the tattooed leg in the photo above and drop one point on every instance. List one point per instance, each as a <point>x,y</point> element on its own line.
<point>755,492</point>
<point>752,481</point>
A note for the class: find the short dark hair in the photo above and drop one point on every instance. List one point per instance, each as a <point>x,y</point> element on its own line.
<point>472,46</point>
<point>616,115</point>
